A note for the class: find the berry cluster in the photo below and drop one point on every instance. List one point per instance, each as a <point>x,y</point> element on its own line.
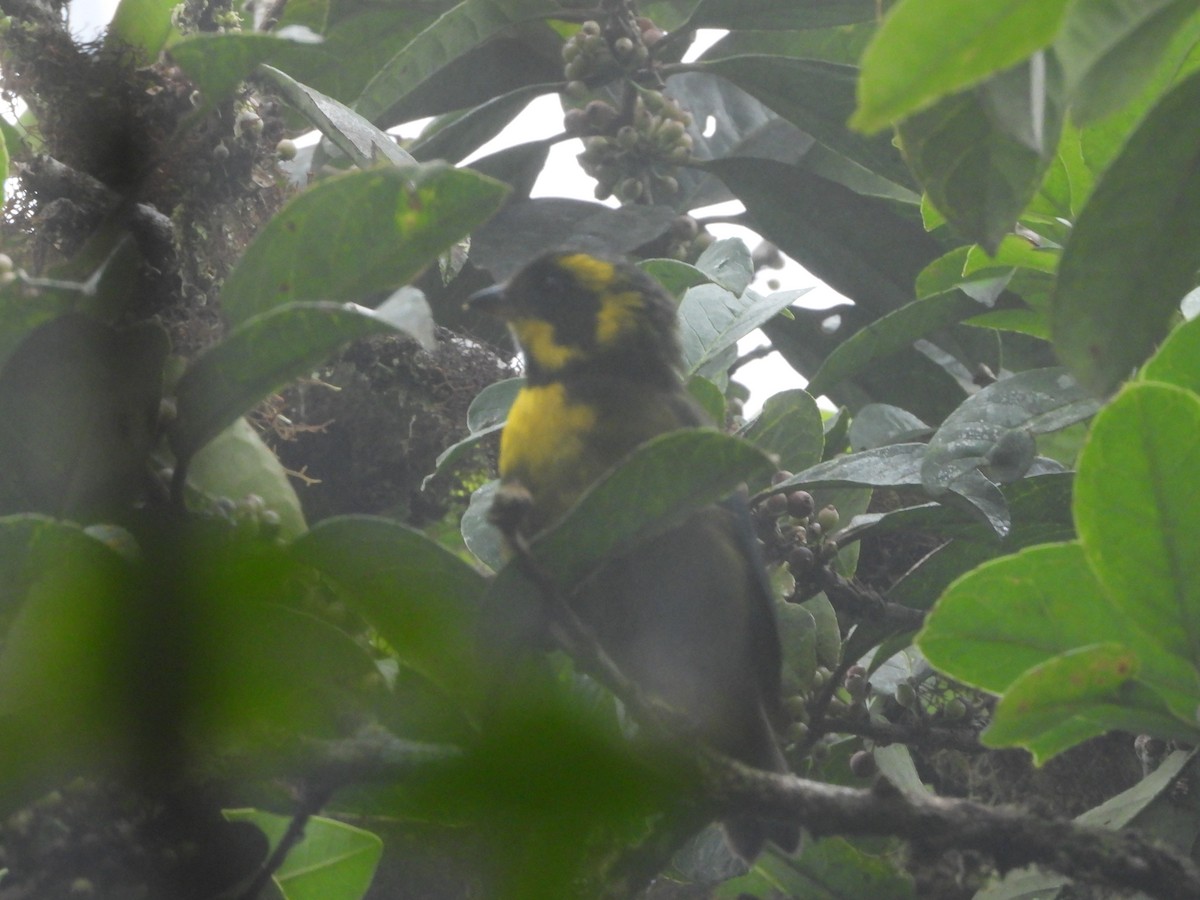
<point>799,533</point>
<point>631,151</point>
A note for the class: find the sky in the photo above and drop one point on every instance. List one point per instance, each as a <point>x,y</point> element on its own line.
<point>562,177</point>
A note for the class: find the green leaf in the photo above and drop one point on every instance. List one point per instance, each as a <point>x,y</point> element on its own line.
<point>981,155</point>
<point>993,429</point>
<point>790,427</point>
<point>829,869</point>
<point>1135,248</point>
<point>236,463</point>
<point>461,134</point>
<point>828,633</point>
<point>654,488</point>
<point>798,642</point>
<point>778,14</point>
<point>140,25</point>
<point>421,598</point>
<point>1040,510</point>
<point>880,424</point>
<point>218,63</point>
<point>1012,614</point>
<point>727,263</point>
<point>483,538</point>
<point>1081,693</point>
<point>1177,361</point>
<point>893,332</point>
<point>333,861</point>
<point>1123,809</point>
<point>466,26</point>
<point>818,98</point>
<point>1137,509</point>
<point>485,416</point>
<point>672,274</point>
<point>351,133</point>
<point>256,359</point>
<point>358,233</point>
<point>712,320</point>
<point>709,396</point>
<point>959,46</point>
<point>1109,50</point>
<point>892,466</point>
<point>855,244</point>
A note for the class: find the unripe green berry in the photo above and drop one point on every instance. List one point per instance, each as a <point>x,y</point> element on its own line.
<point>828,518</point>
<point>666,184</point>
<point>906,695</point>
<point>286,149</point>
<point>857,687</point>
<point>576,90</point>
<point>622,47</point>
<point>796,707</point>
<point>798,732</point>
<point>627,137</point>
<point>955,710</point>
<point>590,27</point>
<point>575,69</point>
<point>630,190</point>
<point>829,550</point>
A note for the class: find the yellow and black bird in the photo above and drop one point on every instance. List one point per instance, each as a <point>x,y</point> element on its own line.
<point>687,615</point>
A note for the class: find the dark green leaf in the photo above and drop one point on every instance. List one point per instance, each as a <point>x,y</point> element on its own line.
<point>818,98</point>
<point>960,47</point>
<point>779,14</point>
<point>798,641</point>
<point>357,233</point>
<point>217,63</point>
<point>1134,251</point>
<point>879,424</point>
<point>464,133</point>
<point>892,466</point>
<point>895,331</point>
<point>257,358</point>
<point>451,36</point>
<point>527,228</point>
<point>981,155</point>
<point>855,244</point>
<point>422,599</point>
<point>350,132</point>
<point>789,427</point>
<point>1109,50</point>
<point>993,428</point>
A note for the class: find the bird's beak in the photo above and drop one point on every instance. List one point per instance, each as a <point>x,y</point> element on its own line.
<point>493,300</point>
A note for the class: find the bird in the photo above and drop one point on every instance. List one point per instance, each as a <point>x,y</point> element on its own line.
<point>686,615</point>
